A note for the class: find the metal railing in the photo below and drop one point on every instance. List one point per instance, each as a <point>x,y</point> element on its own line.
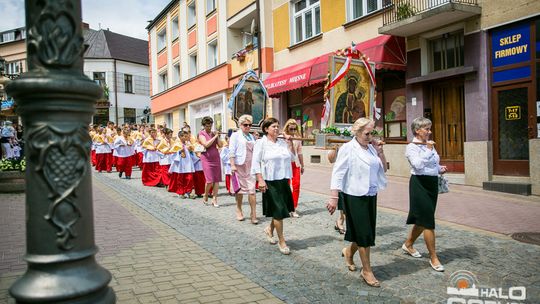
<point>397,10</point>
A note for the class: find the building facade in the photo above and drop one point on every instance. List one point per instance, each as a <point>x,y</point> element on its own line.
<point>13,59</point>
<point>472,68</point>
<point>198,51</point>
<point>120,65</point>
<point>307,34</point>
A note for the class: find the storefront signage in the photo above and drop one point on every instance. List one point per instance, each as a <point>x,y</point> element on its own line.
<point>512,113</point>
<point>511,45</point>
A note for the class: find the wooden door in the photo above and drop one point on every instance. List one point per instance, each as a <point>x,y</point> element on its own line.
<point>449,123</point>
<point>511,129</point>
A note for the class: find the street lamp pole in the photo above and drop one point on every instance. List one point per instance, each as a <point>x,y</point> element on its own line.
<point>56,102</point>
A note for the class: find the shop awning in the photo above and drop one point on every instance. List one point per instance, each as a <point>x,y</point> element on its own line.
<point>387,52</point>
<point>299,75</point>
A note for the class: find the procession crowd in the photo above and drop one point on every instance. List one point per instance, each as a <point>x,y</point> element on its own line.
<point>192,167</point>
<point>11,140</point>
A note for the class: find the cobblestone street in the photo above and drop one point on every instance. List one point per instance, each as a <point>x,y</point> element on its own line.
<point>211,257</point>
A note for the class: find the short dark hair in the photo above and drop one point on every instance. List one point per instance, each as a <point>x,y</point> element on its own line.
<point>207,120</point>
<point>167,131</point>
<point>182,133</point>
<point>267,123</point>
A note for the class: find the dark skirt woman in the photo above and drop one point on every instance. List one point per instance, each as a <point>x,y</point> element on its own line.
<point>361,214</point>
<point>277,200</point>
<point>423,192</point>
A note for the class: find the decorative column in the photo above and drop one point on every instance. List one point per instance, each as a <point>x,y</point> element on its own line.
<point>56,102</point>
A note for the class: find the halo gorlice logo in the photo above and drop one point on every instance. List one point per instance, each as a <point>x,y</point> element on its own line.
<point>464,289</point>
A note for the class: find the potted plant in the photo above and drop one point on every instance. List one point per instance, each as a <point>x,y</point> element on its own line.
<point>12,175</point>
<point>404,10</point>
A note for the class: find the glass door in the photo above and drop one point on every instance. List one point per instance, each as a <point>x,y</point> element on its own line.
<point>511,130</point>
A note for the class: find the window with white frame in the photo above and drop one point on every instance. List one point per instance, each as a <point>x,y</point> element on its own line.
<point>193,65</point>
<point>191,14</point>
<point>306,19</point>
<point>174,28</point>
<point>212,54</point>
<point>162,82</point>
<point>176,74</point>
<point>161,40</point>
<point>9,36</point>
<point>247,38</point>
<point>359,8</point>
<point>210,6</point>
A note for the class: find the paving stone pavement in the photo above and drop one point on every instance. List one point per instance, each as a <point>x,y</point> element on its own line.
<point>315,271</point>
<point>149,261</point>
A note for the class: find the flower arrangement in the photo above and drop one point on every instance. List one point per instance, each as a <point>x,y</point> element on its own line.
<point>12,164</point>
<point>346,131</point>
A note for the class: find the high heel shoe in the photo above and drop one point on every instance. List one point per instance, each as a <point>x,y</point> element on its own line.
<point>340,230</point>
<point>372,284</point>
<point>269,236</point>
<point>215,204</point>
<point>351,267</point>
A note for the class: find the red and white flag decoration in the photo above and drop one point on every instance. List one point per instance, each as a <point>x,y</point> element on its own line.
<point>325,117</point>
<point>341,73</point>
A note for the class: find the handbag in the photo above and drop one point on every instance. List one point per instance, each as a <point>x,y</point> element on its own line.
<point>234,183</point>
<point>443,184</point>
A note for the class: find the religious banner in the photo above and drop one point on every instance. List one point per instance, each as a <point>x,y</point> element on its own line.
<point>352,97</point>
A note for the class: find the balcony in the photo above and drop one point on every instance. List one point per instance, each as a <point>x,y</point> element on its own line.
<point>410,17</point>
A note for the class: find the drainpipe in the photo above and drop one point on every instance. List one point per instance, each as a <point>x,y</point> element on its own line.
<point>115,94</point>
<point>259,41</point>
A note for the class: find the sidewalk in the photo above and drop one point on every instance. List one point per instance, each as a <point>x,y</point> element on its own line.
<point>149,261</point>
<point>464,205</point>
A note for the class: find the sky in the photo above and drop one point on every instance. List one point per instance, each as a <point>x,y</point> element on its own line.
<point>127,17</point>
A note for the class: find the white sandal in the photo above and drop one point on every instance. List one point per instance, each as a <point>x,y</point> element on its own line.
<point>414,254</point>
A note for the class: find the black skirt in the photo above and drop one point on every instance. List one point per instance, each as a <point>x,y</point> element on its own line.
<point>423,192</point>
<point>340,201</point>
<point>361,213</point>
<point>277,201</point>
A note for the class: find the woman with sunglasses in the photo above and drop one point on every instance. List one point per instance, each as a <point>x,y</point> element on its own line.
<point>210,159</point>
<point>359,174</point>
<point>291,128</point>
<point>272,165</point>
<point>241,146</point>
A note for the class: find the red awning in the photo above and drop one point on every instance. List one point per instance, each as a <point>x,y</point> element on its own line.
<point>388,52</point>
<point>299,75</point>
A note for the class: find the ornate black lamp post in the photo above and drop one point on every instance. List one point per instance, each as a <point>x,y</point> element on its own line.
<point>56,102</point>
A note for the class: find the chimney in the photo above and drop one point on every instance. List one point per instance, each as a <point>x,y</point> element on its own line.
<point>85,26</point>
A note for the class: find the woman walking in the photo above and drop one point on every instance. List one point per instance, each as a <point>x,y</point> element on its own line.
<point>241,153</point>
<point>359,174</point>
<point>291,128</point>
<point>151,170</point>
<point>423,190</point>
<point>210,159</point>
<point>272,165</point>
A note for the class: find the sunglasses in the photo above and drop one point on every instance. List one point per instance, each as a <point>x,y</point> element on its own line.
<point>293,129</point>
<point>247,125</point>
<point>372,133</point>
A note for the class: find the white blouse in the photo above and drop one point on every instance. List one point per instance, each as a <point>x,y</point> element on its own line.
<point>423,161</point>
<point>358,172</point>
<point>272,160</point>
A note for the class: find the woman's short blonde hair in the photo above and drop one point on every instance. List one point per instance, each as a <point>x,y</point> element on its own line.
<point>360,124</point>
<point>246,117</point>
<point>289,122</point>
